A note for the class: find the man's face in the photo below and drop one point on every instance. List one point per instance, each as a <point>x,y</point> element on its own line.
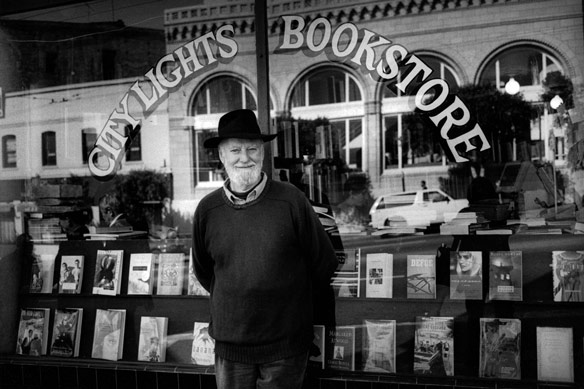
<point>243,160</point>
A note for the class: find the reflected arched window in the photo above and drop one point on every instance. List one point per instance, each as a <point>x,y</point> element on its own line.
<point>528,65</point>
<point>49,148</point>
<point>9,151</point>
<point>440,69</point>
<point>406,141</point>
<point>325,86</point>
<point>223,94</point>
<point>216,97</point>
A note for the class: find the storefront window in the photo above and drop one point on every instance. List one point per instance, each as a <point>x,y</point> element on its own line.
<point>9,151</point>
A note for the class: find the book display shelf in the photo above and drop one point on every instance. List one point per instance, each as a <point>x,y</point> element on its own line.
<point>404,315</point>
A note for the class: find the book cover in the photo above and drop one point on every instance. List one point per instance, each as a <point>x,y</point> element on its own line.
<point>108,335</point>
<point>434,346</point>
<point>555,354</point>
<point>108,272</point>
<point>43,268</point>
<point>505,275</point>
<point>140,273</point>
<point>33,331</point>
<point>171,268</point>
<point>568,275</point>
<point>421,276</point>
<point>194,288</point>
<point>66,332</point>
<point>500,348</point>
<point>379,346</point>
<point>466,275</point>
<point>316,354</point>
<point>345,281</point>
<point>152,343</point>
<point>340,348</point>
<point>379,275</point>
<point>203,348</point>
<point>71,274</point>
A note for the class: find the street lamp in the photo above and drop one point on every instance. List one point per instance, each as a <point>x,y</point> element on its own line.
<point>512,86</point>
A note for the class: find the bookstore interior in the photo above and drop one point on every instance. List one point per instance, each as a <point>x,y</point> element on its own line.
<point>440,144</point>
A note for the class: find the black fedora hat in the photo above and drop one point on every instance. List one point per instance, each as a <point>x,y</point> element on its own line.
<point>241,124</point>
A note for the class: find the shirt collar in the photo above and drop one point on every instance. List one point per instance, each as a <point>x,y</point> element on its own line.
<point>252,195</point>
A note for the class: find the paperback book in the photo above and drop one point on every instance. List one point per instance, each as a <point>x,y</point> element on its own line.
<point>379,276</point>
<point>466,275</point>
<point>67,332</point>
<point>379,346</point>
<point>340,348</point>
<point>203,348</point>
<point>316,354</point>
<point>71,274</point>
<point>194,288</point>
<point>421,276</point>
<point>171,269</point>
<point>434,346</point>
<point>108,335</point>
<point>505,275</point>
<point>555,354</point>
<point>568,275</point>
<point>43,268</point>
<point>140,273</point>
<point>108,272</point>
<point>153,340</point>
<point>33,331</point>
<point>345,281</point>
<point>500,348</point>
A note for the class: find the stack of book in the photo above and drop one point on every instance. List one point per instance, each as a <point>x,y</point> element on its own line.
<point>464,223</point>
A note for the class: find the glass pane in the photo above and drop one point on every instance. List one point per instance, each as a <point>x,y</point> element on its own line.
<point>391,141</point>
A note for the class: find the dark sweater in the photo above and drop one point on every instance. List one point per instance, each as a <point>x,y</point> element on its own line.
<point>260,261</point>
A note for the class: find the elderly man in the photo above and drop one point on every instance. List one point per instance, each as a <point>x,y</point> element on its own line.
<point>260,250</point>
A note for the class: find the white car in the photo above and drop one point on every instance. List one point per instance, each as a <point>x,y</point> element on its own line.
<point>414,208</point>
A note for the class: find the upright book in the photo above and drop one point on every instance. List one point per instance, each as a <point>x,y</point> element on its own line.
<point>316,354</point>
<point>434,346</point>
<point>108,272</point>
<point>67,332</point>
<point>421,276</point>
<point>140,273</point>
<point>555,354</point>
<point>203,347</point>
<point>340,348</point>
<point>33,331</point>
<point>171,274</point>
<point>466,275</point>
<point>379,275</point>
<point>43,268</point>
<point>500,348</point>
<point>194,288</point>
<point>153,340</point>
<point>108,335</point>
<point>568,275</point>
<point>505,275</point>
<point>379,346</point>
<point>345,281</point>
<point>71,274</point>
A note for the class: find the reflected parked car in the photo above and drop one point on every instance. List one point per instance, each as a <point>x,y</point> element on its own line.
<point>414,208</point>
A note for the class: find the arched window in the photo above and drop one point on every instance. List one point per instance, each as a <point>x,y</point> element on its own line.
<point>325,86</point>
<point>216,97</point>
<point>49,148</point>
<point>9,151</point>
<point>405,141</point>
<point>527,64</point>
<point>223,94</point>
<point>342,138</point>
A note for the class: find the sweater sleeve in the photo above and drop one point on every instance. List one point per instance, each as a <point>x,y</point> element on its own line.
<point>202,262</point>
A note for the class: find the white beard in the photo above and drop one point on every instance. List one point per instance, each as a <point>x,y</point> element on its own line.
<point>244,178</point>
